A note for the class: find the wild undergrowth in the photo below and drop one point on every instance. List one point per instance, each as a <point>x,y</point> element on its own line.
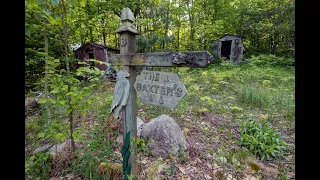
<point>214,116</point>
<point>78,109</point>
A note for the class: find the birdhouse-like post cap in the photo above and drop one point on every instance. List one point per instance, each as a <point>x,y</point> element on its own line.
<point>127,19</point>
<point>127,14</point>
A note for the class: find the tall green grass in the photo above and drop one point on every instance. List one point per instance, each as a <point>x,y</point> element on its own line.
<point>249,95</point>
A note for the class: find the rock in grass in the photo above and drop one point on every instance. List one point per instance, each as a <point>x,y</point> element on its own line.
<point>58,148</point>
<point>164,136</point>
<point>223,159</point>
<point>43,148</point>
<point>119,139</point>
<point>235,162</point>
<point>228,165</point>
<point>229,177</point>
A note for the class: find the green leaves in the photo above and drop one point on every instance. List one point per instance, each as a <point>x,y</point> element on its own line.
<point>261,139</point>
<point>27,30</point>
<point>54,91</point>
<point>42,100</point>
<point>270,60</point>
<point>60,136</point>
<point>69,111</point>
<point>40,2</point>
<point>140,144</point>
<point>38,165</point>
<point>55,19</point>
<point>41,135</point>
<point>54,2</point>
<point>56,129</point>
<point>207,99</point>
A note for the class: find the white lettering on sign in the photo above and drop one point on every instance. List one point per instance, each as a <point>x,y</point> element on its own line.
<point>160,88</point>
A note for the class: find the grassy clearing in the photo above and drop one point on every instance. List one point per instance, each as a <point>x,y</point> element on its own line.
<point>218,98</point>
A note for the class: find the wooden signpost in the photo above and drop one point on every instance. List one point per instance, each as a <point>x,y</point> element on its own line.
<point>154,87</point>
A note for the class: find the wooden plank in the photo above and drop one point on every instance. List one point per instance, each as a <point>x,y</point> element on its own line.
<point>200,59</point>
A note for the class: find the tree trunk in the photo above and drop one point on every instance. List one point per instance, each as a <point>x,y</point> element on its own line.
<point>103,32</point>
<point>179,26</point>
<point>65,42</point>
<point>46,65</point>
<point>104,37</point>
<point>153,27</point>
<point>191,20</point>
<point>167,26</point>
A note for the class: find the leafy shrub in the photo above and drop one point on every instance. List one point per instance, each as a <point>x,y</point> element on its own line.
<point>235,109</point>
<point>96,149</point>
<point>272,60</point>
<point>56,130</point>
<point>38,165</point>
<point>140,144</point>
<point>261,139</point>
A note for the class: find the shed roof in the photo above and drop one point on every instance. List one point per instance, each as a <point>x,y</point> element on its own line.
<point>227,35</point>
<point>96,45</point>
<point>244,47</point>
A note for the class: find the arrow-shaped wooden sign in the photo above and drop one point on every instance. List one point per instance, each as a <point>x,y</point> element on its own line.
<point>200,59</point>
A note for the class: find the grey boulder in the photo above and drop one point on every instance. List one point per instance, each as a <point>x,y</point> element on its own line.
<point>163,136</point>
<point>58,148</point>
<point>43,148</point>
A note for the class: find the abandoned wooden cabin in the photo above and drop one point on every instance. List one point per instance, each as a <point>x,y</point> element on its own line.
<point>95,51</point>
<point>229,46</point>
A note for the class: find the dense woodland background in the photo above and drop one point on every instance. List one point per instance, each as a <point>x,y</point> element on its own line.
<point>267,27</point>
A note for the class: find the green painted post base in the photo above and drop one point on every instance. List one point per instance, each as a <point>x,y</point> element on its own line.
<point>126,166</point>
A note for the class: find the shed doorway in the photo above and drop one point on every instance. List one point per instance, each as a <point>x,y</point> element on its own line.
<point>226,49</point>
<point>91,56</point>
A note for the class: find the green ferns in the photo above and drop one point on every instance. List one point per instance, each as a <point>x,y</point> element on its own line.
<point>261,139</point>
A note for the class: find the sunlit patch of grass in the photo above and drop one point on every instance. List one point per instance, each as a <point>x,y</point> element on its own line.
<point>253,96</point>
<point>284,102</point>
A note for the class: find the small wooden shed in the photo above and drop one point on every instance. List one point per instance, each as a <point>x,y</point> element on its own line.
<point>229,46</point>
<point>95,51</point>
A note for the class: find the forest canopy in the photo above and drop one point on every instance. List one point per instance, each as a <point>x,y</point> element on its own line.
<point>266,27</point>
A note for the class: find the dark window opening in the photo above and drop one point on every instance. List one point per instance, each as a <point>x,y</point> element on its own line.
<point>226,49</point>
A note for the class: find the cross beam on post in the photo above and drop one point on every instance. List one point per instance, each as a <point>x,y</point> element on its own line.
<point>195,59</point>
<point>129,59</point>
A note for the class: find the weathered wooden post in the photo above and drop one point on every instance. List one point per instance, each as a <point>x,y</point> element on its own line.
<point>127,33</point>
<point>157,88</point>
